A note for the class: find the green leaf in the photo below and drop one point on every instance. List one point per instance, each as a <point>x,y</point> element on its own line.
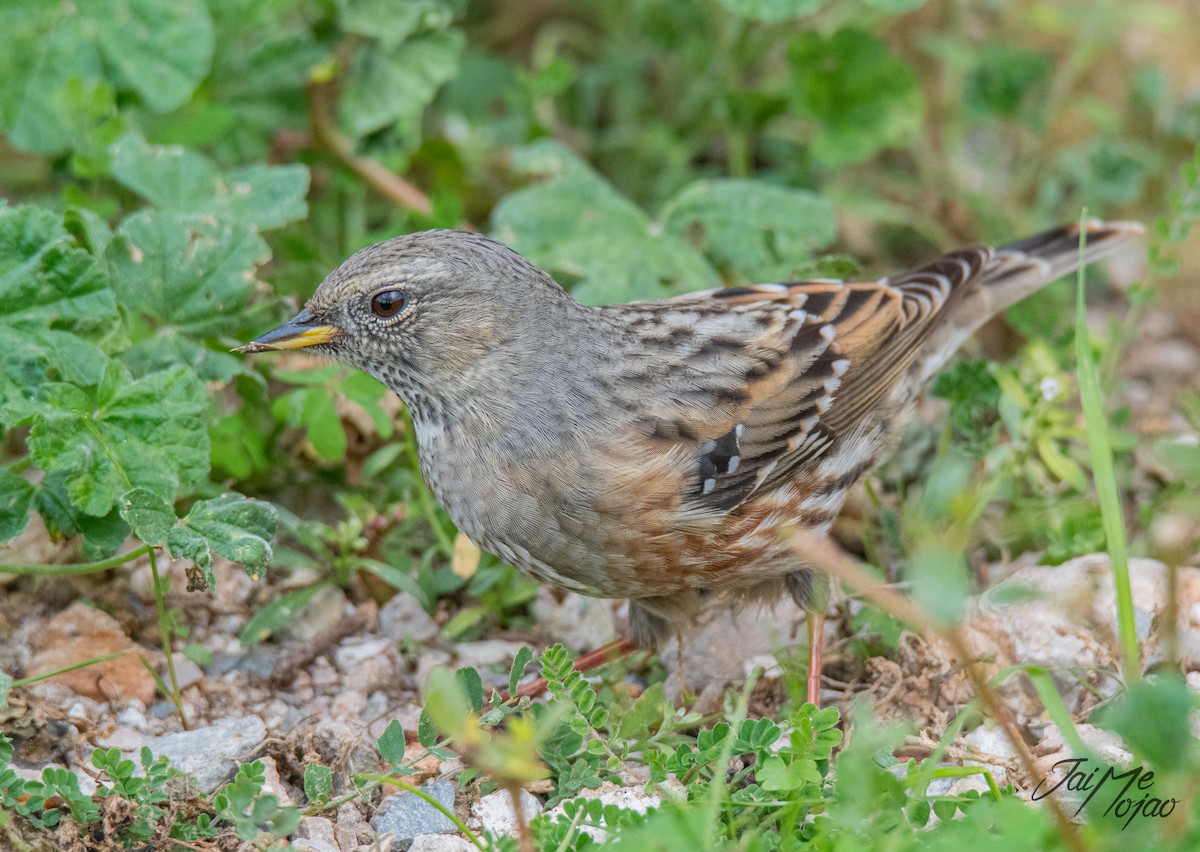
<point>860,97</point>
<point>575,223</point>
<point>472,686</point>
<point>1004,77</point>
<point>318,782</point>
<point>233,526</point>
<point>393,23</point>
<point>765,232</point>
<point>278,612</point>
<point>148,515</point>
<point>185,272</point>
<point>315,409</point>
<point>895,6</point>
<point>159,50</point>
<point>53,294</point>
<point>102,535</point>
<point>646,712</point>
<point>1152,717</point>
<point>775,774</point>
<point>517,671</point>
<point>6,682</point>
<point>16,499</point>
<point>772,10</point>
<point>391,744</point>
<point>183,181</point>
<point>427,731</point>
<point>390,86</point>
<point>122,434</point>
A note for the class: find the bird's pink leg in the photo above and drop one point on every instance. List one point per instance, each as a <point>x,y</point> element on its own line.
<point>591,660</point>
<point>815,622</point>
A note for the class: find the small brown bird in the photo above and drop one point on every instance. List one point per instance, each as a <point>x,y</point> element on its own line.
<point>653,450</point>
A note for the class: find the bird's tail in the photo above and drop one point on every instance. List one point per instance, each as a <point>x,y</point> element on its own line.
<point>1012,273</point>
<point>1019,269</point>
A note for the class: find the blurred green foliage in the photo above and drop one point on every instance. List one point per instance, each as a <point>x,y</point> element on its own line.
<point>180,174</point>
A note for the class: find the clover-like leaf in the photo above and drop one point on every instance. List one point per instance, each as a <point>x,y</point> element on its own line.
<point>391,743</point>
<point>775,774</point>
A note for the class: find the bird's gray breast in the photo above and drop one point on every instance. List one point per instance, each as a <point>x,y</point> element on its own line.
<point>533,512</point>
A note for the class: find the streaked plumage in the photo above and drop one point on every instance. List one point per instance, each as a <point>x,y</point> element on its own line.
<point>653,450</point>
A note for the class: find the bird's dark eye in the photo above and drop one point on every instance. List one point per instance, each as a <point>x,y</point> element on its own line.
<point>389,303</point>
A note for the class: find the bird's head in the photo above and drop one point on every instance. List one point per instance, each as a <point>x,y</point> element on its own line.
<point>421,311</point>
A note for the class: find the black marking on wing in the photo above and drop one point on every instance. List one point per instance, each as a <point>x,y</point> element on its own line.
<point>719,457</point>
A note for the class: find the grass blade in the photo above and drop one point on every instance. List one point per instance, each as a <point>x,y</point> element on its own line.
<point>1103,473</point>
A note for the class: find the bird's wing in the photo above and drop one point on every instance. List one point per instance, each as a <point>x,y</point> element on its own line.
<point>760,380</point>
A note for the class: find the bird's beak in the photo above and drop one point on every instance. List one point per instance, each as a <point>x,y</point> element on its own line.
<point>304,329</point>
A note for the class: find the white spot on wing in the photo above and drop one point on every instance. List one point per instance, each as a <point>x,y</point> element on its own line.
<point>840,366</point>
<point>709,486</point>
<point>828,331</point>
<point>734,461</point>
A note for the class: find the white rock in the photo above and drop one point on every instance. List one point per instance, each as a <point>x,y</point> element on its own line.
<point>303,845</point>
<point>351,828</point>
<point>274,785</point>
<point>628,798</point>
<point>402,617</point>
<point>1064,618</point>
<point>727,638</point>
<point>579,622</point>
<point>317,828</point>
<point>495,812</point>
<point>354,651</point>
<point>438,843</point>
<point>487,652</point>
<point>326,608</point>
<point>187,673</point>
<point>211,754</point>
<point>131,717</point>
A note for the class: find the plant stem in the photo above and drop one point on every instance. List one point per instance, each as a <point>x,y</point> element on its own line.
<point>79,568</point>
<point>164,630</point>
<point>327,135</point>
<point>25,681</point>
<point>421,794</point>
<point>524,838</point>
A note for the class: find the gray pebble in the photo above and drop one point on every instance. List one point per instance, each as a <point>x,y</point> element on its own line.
<point>211,755</point>
<point>406,816</point>
<point>402,617</point>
